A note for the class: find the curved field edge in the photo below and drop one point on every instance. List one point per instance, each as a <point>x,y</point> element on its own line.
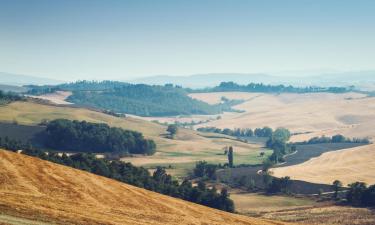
<point>348,166</point>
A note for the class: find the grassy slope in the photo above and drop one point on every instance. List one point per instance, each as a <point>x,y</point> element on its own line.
<point>181,152</point>
<point>42,190</point>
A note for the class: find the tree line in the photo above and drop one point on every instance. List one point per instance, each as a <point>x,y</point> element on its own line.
<point>159,181</point>
<point>335,139</point>
<point>237,132</point>
<point>263,88</point>
<point>62,134</point>
<point>7,97</point>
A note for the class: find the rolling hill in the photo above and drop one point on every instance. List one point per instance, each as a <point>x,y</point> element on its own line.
<point>38,190</point>
<point>348,166</point>
<point>183,151</point>
<point>310,115</point>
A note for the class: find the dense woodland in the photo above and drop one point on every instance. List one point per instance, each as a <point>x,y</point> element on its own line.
<point>62,134</point>
<point>137,99</point>
<point>263,88</point>
<point>159,181</point>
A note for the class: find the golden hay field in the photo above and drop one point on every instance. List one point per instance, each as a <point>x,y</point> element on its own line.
<point>331,215</point>
<point>182,152</point>
<point>41,190</point>
<point>348,166</point>
<point>257,204</point>
<point>350,114</point>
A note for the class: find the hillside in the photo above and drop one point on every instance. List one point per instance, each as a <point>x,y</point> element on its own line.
<point>40,190</point>
<point>187,148</point>
<point>348,166</point>
<point>313,114</point>
<point>136,99</point>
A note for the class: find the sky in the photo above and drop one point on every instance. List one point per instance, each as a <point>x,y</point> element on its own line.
<point>123,39</point>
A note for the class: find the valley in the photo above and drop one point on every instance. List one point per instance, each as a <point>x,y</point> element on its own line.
<point>313,167</point>
<point>192,112</point>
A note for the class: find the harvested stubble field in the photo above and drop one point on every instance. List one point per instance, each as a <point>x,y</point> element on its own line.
<point>331,215</point>
<point>348,166</point>
<point>254,204</point>
<point>309,151</point>
<point>350,114</point>
<point>38,190</point>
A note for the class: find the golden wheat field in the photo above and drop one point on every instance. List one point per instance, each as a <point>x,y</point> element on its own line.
<point>47,192</point>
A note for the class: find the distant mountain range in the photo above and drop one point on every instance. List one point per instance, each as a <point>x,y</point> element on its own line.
<point>20,79</point>
<point>360,79</point>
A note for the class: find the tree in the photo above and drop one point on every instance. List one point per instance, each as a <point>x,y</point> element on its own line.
<point>267,164</point>
<point>172,129</point>
<point>356,192</point>
<point>281,134</point>
<point>336,187</point>
<point>338,138</point>
<point>230,157</point>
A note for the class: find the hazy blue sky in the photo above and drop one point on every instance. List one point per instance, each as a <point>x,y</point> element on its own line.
<point>123,39</point>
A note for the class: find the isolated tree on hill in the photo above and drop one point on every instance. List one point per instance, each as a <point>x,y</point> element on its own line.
<point>336,187</point>
<point>172,129</point>
<point>230,157</point>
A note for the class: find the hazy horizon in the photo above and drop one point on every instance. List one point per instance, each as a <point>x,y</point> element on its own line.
<point>122,40</point>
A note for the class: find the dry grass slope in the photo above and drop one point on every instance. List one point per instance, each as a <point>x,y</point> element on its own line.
<point>350,114</point>
<point>41,190</point>
<point>348,166</point>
